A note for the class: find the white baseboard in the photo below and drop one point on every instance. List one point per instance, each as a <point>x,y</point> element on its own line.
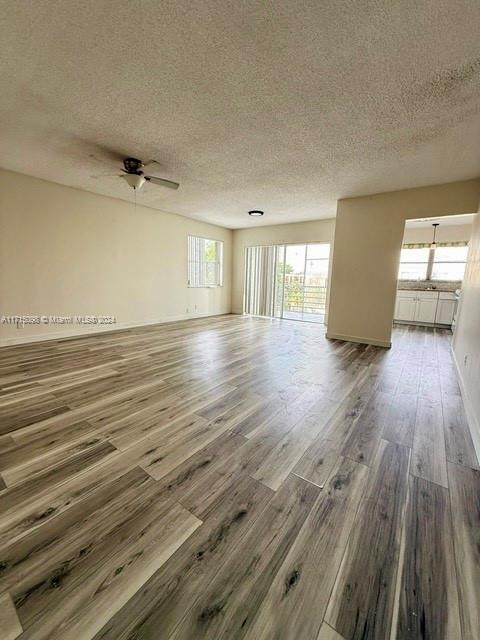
<point>376,343</point>
<point>472,419</point>
<point>91,330</point>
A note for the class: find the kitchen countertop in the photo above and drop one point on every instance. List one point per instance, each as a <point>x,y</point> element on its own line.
<point>428,285</point>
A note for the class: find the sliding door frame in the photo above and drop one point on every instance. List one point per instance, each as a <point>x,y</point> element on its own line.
<point>283,246</point>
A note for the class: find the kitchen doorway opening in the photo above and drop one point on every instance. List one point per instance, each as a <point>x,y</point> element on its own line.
<point>288,281</point>
<point>431,269</point>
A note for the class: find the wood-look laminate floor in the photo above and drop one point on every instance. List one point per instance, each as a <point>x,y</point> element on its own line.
<point>236,478</point>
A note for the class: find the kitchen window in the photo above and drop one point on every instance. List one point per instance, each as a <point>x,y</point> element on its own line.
<point>414,264</point>
<point>444,262</point>
<point>205,262</point>
<point>449,263</point>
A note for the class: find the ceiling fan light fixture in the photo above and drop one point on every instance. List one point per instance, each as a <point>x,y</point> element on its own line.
<point>255,213</point>
<point>134,180</point>
<point>132,165</point>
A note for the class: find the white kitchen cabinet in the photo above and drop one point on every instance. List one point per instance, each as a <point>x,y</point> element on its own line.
<point>425,307</point>
<point>445,308</point>
<point>405,308</point>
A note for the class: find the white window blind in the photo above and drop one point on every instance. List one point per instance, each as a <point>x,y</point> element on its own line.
<point>446,261</point>
<point>449,263</point>
<point>413,264</point>
<point>260,281</point>
<point>205,262</point>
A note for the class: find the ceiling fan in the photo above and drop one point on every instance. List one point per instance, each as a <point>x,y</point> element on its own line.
<point>136,173</point>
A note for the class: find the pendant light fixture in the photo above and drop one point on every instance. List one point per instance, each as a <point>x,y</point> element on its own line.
<point>434,244</point>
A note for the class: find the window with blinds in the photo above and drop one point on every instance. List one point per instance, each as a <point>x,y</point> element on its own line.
<point>446,261</point>
<point>205,262</point>
<point>414,263</point>
<point>449,263</point>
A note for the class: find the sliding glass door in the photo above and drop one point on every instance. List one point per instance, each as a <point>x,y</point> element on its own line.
<point>287,281</point>
<point>306,276</point>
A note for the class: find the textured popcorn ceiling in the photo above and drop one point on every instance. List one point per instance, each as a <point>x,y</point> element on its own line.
<point>283,106</point>
<point>444,221</point>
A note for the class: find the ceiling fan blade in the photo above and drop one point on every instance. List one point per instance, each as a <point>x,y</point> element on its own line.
<point>153,168</point>
<point>102,154</point>
<point>152,163</point>
<point>107,175</point>
<point>162,182</point>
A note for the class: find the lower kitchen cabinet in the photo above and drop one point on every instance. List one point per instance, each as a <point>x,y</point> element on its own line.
<point>425,307</point>
<point>445,309</point>
<point>405,308</point>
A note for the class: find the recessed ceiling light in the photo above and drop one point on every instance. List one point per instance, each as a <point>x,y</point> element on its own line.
<point>255,212</point>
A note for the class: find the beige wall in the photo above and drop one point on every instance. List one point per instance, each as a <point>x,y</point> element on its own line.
<point>67,252</point>
<point>466,341</point>
<point>312,231</point>
<point>368,238</point>
<point>446,233</point>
